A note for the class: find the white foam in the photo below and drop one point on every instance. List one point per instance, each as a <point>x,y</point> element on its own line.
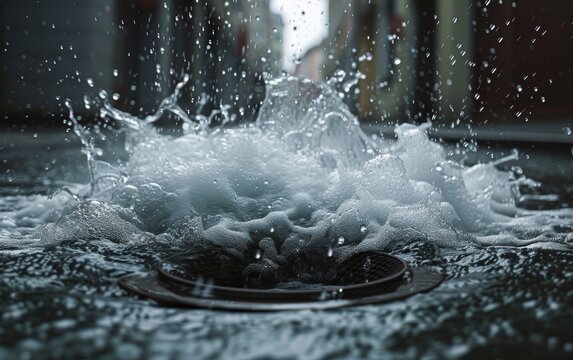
<point>305,176</point>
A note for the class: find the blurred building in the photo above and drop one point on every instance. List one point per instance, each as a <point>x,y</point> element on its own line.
<point>51,49</point>
<point>136,50</point>
<point>225,46</point>
<point>497,64</point>
<point>500,65</point>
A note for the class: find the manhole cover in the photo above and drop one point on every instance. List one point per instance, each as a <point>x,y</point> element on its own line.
<point>219,279</point>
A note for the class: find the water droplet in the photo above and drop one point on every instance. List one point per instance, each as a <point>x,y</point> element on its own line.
<point>330,251</point>
<point>567,130</point>
<point>397,61</point>
<point>87,102</point>
<point>341,240</point>
<point>272,229</point>
<point>90,82</point>
<point>363,228</point>
<point>367,264</point>
<point>258,254</point>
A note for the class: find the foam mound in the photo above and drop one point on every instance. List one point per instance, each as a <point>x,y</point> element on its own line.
<point>302,182</point>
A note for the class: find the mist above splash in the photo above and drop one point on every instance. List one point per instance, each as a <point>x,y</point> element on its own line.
<point>302,181</point>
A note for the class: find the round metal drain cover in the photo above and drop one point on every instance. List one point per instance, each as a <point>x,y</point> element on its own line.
<point>219,279</point>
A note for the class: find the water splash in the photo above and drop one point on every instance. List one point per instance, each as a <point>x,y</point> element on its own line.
<point>295,182</point>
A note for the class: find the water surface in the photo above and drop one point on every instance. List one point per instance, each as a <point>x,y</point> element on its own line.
<point>305,176</point>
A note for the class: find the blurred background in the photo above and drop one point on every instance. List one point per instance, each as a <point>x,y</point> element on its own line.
<point>503,67</point>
